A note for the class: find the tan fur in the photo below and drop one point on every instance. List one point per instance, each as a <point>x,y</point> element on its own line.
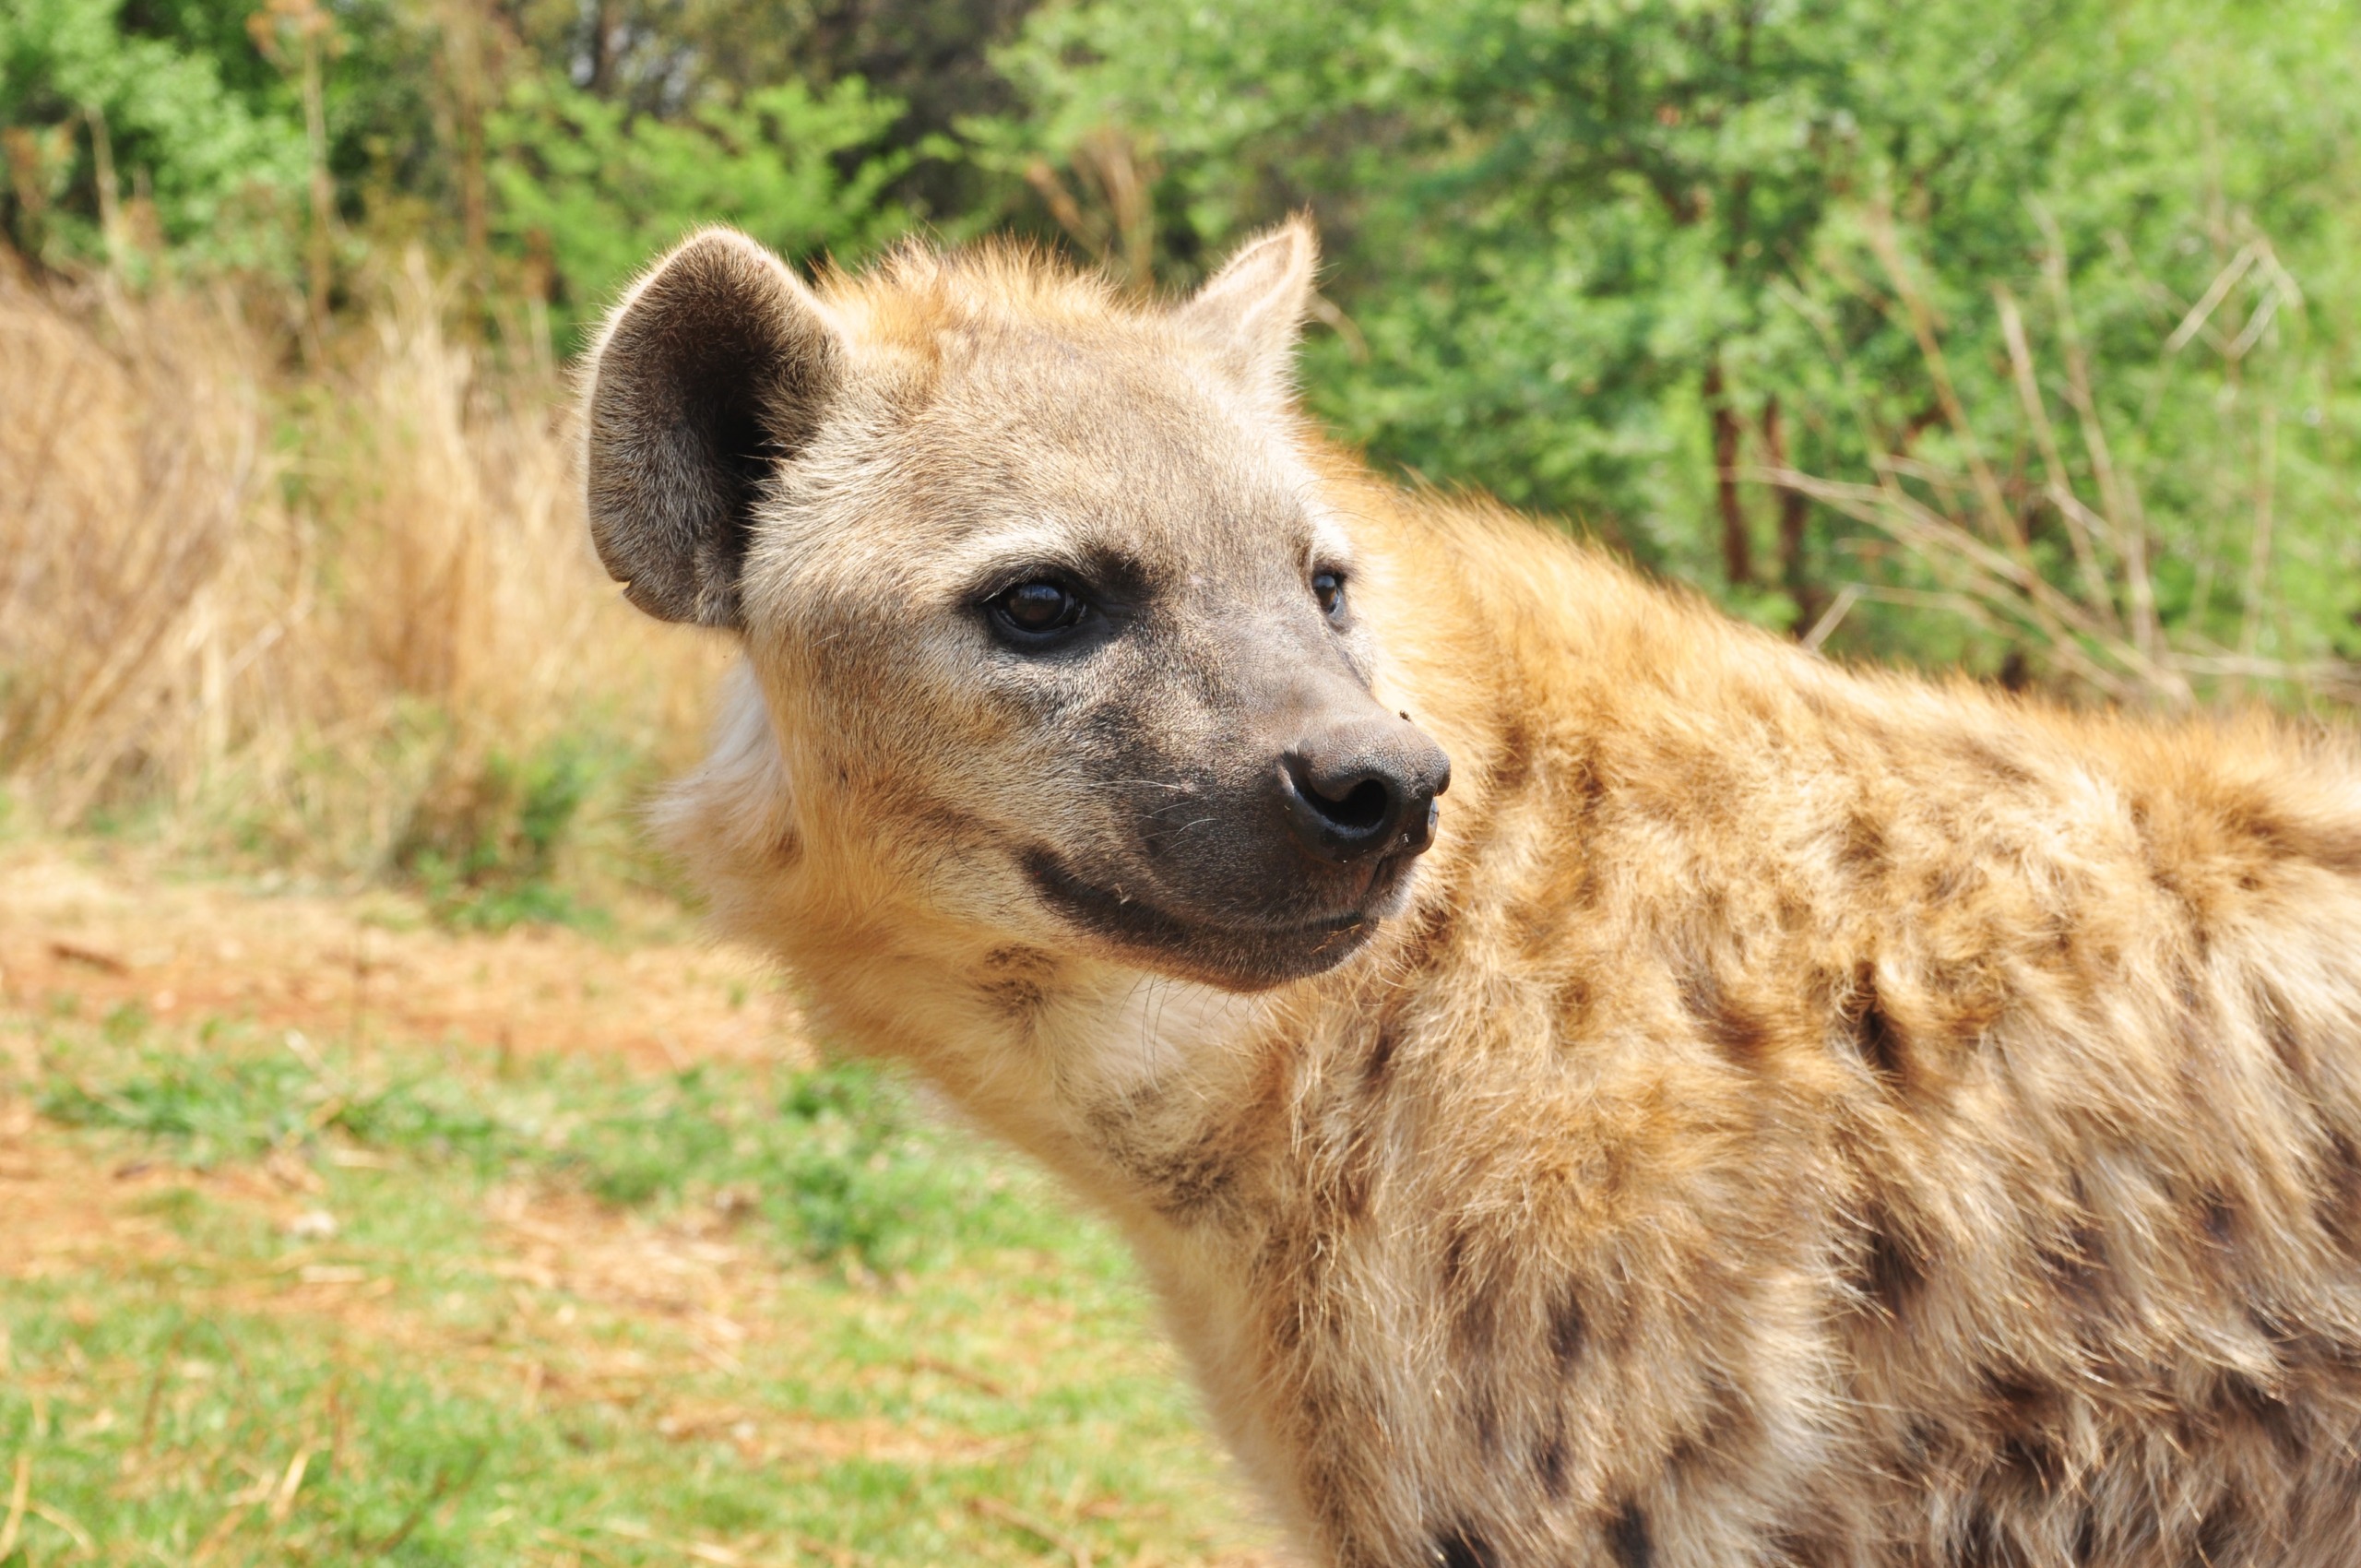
<point>1798,1117</point>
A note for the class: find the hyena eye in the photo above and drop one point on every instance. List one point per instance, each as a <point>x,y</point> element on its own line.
<point>1036,610</point>
<point>1328,587</point>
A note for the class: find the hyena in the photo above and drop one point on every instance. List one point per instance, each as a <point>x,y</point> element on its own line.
<point>1590,1083</point>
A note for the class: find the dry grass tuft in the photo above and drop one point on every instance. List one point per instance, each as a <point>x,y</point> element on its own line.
<point>2036,530</point>
<point>331,618</point>
<point>135,474</point>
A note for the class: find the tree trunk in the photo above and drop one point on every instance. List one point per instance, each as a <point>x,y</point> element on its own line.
<point>1795,510</point>
<point>606,27</point>
<point>1738,548</point>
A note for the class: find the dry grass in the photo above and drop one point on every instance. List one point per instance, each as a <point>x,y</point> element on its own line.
<point>329,613</point>
<point>2036,526</point>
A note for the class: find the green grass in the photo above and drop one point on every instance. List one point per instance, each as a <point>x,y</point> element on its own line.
<point>394,1304</point>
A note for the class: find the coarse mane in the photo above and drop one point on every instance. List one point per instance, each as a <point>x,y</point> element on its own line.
<point>922,298</point>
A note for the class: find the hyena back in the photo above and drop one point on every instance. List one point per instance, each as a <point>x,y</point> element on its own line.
<point>1761,1114</point>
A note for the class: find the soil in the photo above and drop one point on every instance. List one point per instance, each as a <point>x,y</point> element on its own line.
<point>91,934</point>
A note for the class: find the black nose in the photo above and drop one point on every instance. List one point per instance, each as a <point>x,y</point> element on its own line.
<point>1364,788</point>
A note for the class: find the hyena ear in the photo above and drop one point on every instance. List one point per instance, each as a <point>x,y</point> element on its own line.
<point>1250,312</point>
<point>717,365</point>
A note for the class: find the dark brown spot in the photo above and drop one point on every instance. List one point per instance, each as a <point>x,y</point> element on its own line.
<point>1795,1549</point>
<point>2061,945</point>
<point>2283,1335</point>
<point>1590,784</point>
<point>2241,1401</point>
<point>1730,1029</point>
<point>1479,1322</point>
<point>1461,1546</point>
<point>1891,1267</point>
<point>1484,1415</point>
<point>1377,1068</point>
<point>2337,1205</point>
<point>1568,1329</point>
<point>1455,1246</point>
<point>1472,1295</point>
<point>1356,1174</point>
<point>1628,1539</point>
<point>1186,1184</point>
<point>1513,764</point>
<point>2078,1268</point>
<point>2029,1458</point>
<point>1876,1037</point>
<point>1981,1543</point>
<point>1863,852</point>
<point>1722,1433</point>
<point>1550,1459</point>
<point>2221,1534</point>
<point>1573,1008</point>
<point>2219,1220</point>
<point>1016,1000</point>
<point>2332,848</point>
<point>2018,1399</point>
<point>1430,934</point>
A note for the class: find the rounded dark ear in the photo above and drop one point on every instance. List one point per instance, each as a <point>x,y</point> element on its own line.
<point>719,364</point>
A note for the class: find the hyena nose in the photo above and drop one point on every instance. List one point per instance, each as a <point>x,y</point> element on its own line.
<point>1364,788</point>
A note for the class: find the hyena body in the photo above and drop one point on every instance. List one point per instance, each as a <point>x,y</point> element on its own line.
<point>1788,1118</point>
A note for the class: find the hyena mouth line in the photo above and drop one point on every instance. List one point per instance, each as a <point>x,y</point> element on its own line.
<point>1148,924</point>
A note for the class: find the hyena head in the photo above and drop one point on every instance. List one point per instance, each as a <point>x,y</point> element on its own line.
<point>1058,640</point>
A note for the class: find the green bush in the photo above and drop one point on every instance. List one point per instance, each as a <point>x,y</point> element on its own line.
<point>1585,254</point>
<point>601,190</point>
<point>187,154</point>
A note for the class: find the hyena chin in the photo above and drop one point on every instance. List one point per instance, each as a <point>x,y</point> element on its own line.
<point>1762,1115</point>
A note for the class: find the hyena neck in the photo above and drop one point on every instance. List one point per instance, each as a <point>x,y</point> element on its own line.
<point>1100,1072</point>
<point>1083,1064</point>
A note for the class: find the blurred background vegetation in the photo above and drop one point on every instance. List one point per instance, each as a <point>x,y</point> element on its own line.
<point>2022,337</point>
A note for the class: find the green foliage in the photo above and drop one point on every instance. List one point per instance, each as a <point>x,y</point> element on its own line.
<point>603,190</point>
<point>191,159</point>
<point>931,57</point>
<point>1592,250</point>
<point>485,846</point>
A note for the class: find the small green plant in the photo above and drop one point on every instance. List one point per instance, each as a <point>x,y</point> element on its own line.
<point>484,846</point>
<point>834,1161</point>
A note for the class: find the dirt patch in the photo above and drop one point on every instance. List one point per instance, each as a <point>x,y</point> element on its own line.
<point>65,1212</point>
<point>91,938</point>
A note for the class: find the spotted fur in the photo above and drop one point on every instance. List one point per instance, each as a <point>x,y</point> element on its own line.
<point>1793,1116</point>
